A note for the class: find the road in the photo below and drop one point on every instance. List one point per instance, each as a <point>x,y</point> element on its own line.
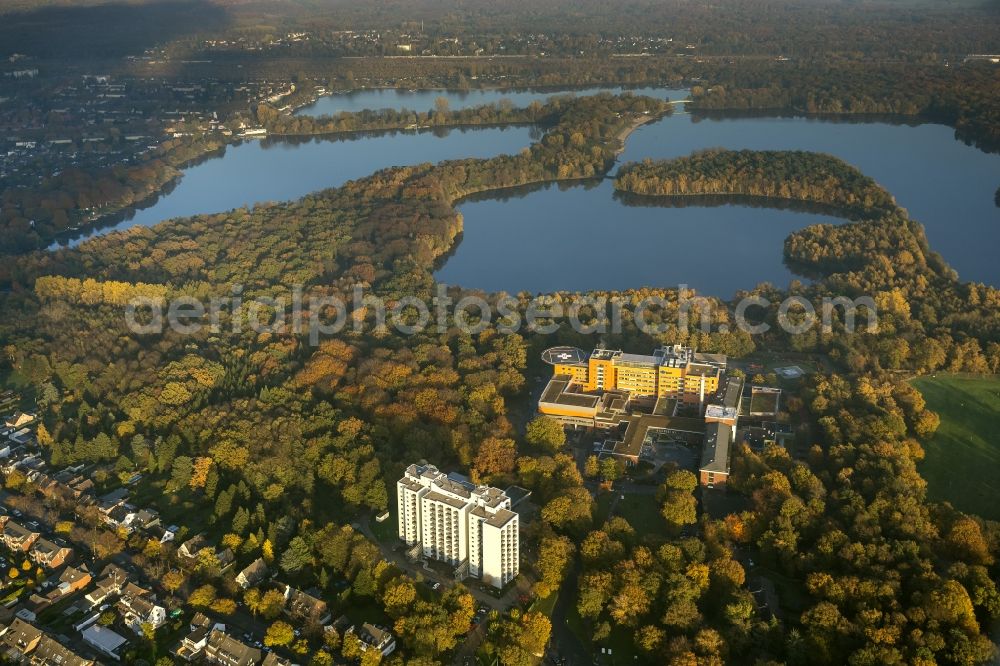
<point>564,642</point>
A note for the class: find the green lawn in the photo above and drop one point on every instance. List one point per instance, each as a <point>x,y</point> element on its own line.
<point>546,605</point>
<point>642,513</point>
<point>387,531</point>
<point>640,510</point>
<point>963,458</point>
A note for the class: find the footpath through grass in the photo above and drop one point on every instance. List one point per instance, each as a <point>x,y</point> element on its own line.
<point>963,458</point>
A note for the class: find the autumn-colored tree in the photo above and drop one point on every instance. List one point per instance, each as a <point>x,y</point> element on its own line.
<point>545,433</point>
<point>223,606</point>
<point>570,509</point>
<point>497,456</point>
<point>554,556</point>
<point>43,436</point>
<point>172,580</point>
<point>203,597</point>
<point>966,540</point>
<point>611,468</point>
<point>398,595</point>
<point>280,633</point>
<point>199,472</point>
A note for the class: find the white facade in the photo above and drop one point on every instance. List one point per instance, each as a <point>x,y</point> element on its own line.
<point>458,522</point>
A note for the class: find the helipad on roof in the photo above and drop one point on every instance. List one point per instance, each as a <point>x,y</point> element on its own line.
<point>564,356</point>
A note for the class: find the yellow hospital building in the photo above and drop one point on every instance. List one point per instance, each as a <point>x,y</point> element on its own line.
<point>675,371</point>
<point>633,395</point>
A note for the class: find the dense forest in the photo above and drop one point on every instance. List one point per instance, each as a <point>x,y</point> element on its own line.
<point>967,97</point>
<point>276,445</point>
<point>501,113</point>
<point>789,175</point>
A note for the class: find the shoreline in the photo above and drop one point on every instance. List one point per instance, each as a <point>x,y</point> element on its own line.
<point>635,124</point>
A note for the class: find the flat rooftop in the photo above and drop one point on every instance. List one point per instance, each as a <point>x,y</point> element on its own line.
<point>517,494</point>
<point>702,370</point>
<point>715,453</point>
<point>733,393</point>
<point>445,499</point>
<point>643,360</point>
<point>721,412</point>
<point>665,406</point>
<point>500,518</point>
<point>640,424</point>
<point>557,393</point>
<point>764,400</point>
<point>711,359</point>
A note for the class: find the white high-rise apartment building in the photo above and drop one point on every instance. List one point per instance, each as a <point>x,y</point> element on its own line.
<point>456,521</point>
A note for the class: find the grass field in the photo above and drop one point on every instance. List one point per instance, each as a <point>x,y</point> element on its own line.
<point>641,510</point>
<point>963,458</point>
<point>386,531</point>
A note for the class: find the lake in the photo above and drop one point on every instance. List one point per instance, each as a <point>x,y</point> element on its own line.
<point>281,170</point>
<point>582,238</point>
<point>256,171</point>
<point>423,100</point>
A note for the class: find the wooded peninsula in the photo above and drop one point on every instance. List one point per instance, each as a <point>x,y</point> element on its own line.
<point>786,175</point>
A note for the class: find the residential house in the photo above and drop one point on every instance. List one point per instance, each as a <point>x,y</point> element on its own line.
<point>192,645</point>
<point>114,499</point>
<point>73,485</point>
<point>72,476</point>
<point>143,519</point>
<point>253,574</point>
<point>138,606</point>
<point>81,486</point>
<point>303,606</point>
<point>18,537</point>
<point>22,460</point>
<point>29,609</point>
<point>51,652</point>
<point>19,639</point>
<point>163,534</point>
<point>225,557</point>
<point>50,555</point>
<point>18,420</point>
<point>193,546</point>
<point>273,659</point>
<point>73,579</point>
<point>22,437</point>
<point>8,401</point>
<point>47,485</point>
<point>119,516</point>
<point>374,637</point>
<point>226,650</point>
<point>113,579</point>
<point>22,642</point>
